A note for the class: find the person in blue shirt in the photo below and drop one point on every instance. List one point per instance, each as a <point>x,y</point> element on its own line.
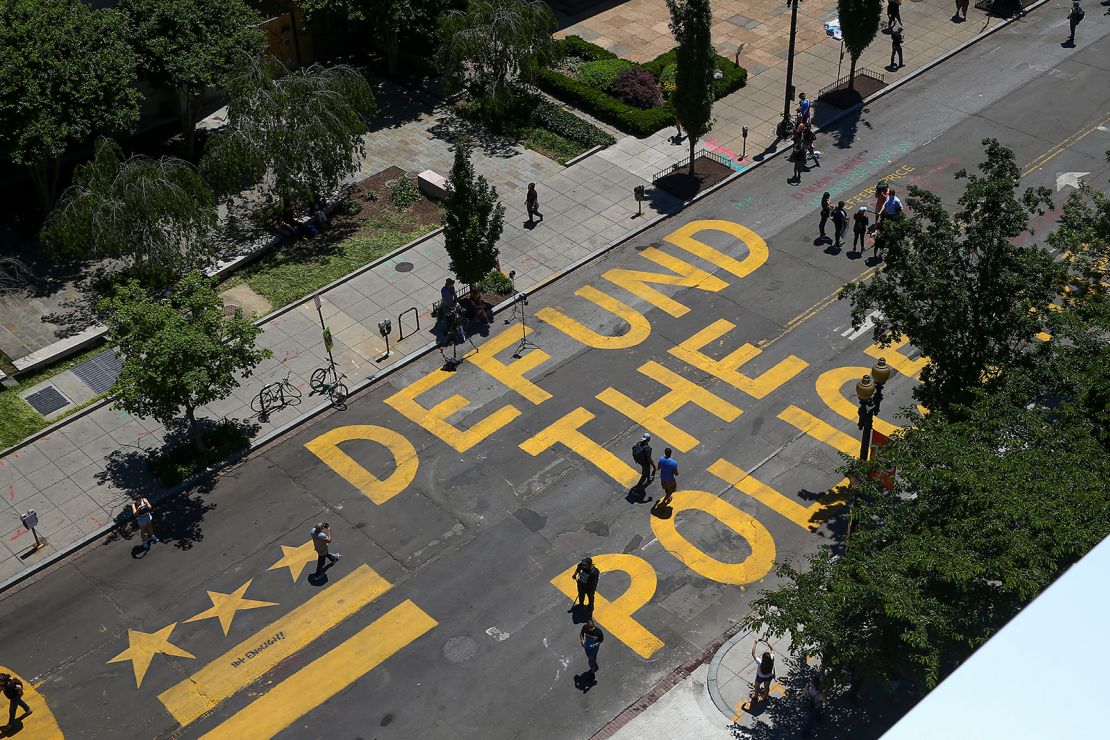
<point>668,474</point>
<point>804,106</point>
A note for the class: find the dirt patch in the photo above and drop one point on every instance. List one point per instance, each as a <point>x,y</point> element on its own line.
<point>379,203</point>
<point>843,98</point>
<point>707,173</point>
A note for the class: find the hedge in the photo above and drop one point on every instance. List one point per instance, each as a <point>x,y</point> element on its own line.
<point>605,107</point>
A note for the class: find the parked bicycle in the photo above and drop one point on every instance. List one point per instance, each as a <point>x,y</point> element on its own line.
<point>329,381</point>
<point>276,396</point>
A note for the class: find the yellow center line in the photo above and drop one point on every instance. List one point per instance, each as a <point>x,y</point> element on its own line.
<point>1061,146</point>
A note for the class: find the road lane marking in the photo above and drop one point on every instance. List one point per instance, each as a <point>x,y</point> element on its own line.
<point>254,657</point>
<point>329,674</point>
<point>867,325</point>
<point>639,328</point>
<point>326,447</point>
<point>728,367</point>
<point>1042,160</point>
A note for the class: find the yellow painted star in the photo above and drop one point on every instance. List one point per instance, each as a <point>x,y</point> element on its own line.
<point>224,606</point>
<point>295,559</point>
<point>144,646</point>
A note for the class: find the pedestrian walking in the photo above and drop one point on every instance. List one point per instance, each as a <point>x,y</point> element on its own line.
<point>809,138</point>
<point>678,129</point>
<point>961,10</point>
<point>533,203</point>
<point>321,538</point>
<point>826,211</point>
<point>586,576</point>
<point>143,514</point>
<point>840,223</point>
<point>798,157</point>
<point>13,691</point>
<point>815,704</point>
<point>764,672</point>
<point>668,478</point>
<point>1074,17</point>
<point>859,229</point>
<point>893,13</point>
<point>896,47</point>
<point>591,638</point>
<point>641,453</point>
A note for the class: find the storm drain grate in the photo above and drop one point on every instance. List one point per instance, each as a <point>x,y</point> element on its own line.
<point>100,372</point>
<point>47,401</point>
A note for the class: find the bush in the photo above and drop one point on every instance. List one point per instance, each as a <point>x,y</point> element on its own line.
<point>351,208</point>
<point>602,73</point>
<point>404,193</point>
<point>604,106</point>
<point>560,121</point>
<point>181,461</point>
<point>637,87</point>
<point>496,282</point>
<point>576,46</point>
<point>733,76</point>
<point>667,79</point>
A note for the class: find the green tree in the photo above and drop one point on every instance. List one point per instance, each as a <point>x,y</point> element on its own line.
<point>957,285</point>
<point>859,24</point>
<point>179,353</point>
<point>188,46</point>
<point>157,213</point>
<point>985,513</point>
<point>66,72</point>
<point>491,44</point>
<point>691,24</point>
<point>388,19</point>
<point>295,134</point>
<point>472,220</point>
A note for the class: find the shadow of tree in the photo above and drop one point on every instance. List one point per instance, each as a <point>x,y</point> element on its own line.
<point>451,128</point>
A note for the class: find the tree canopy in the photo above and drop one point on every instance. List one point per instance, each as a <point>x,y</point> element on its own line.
<point>691,25</point>
<point>157,213</point>
<point>188,46</point>
<point>66,73</point>
<point>958,286</point>
<point>389,19</point>
<point>294,134</point>
<point>179,353</point>
<point>859,24</point>
<point>491,44</point>
<point>472,220</point>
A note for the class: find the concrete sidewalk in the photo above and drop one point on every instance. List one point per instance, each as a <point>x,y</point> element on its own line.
<point>79,475</point>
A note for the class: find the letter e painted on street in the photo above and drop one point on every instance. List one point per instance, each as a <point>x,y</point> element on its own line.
<point>757,248</point>
<point>511,374</point>
<point>405,459</point>
<point>435,418</point>
<point>728,367</point>
<point>616,615</point>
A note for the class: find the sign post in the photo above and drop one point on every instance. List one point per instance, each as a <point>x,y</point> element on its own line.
<point>30,521</point>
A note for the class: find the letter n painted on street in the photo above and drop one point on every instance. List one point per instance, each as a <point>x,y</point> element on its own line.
<point>757,248</point>
<point>638,326</point>
<point>326,447</point>
<point>686,276</point>
<point>616,615</point>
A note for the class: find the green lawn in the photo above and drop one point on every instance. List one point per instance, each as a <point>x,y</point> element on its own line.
<point>17,419</point>
<point>290,273</point>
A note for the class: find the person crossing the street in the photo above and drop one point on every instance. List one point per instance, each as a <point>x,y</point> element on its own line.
<point>321,538</point>
<point>641,453</point>
<point>668,478</point>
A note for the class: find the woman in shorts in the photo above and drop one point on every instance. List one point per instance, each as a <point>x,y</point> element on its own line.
<point>144,519</point>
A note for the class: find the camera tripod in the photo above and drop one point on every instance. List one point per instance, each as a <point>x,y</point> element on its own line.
<point>521,313</point>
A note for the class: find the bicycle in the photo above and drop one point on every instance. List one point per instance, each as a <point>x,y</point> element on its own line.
<point>329,381</point>
<point>275,396</point>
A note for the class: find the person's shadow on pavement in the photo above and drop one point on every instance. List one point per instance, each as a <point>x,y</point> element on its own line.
<point>585,681</point>
<point>139,552</point>
<point>319,579</point>
<point>637,495</point>
<point>579,613</point>
<point>661,512</point>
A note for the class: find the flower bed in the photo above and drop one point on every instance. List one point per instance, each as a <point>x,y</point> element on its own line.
<point>583,81</point>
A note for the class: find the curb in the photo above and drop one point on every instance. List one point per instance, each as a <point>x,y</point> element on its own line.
<point>430,346</point>
<point>714,667</point>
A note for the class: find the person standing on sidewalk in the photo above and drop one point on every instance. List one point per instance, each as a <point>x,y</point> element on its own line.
<point>764,672</point>
<point>532,201</point>
<point>1074,17</point>
<point>13,691</point>
<point>668,478</point>
<point>896,48</point>
<point>590,638</point>
<point>641,453</point>
<point>805,107</point>
<point>893,13</point>
<point>859,229</point>
<point>840,224</point>
<point>826,211</point>
<point>321,538</point>
<point>586,575</point>
<point>961,7</point>
<point>142,511</point>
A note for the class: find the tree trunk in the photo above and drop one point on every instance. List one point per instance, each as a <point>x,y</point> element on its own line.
<point>852,74</point>
<point>693,143</point>
<point>45,176</point>
<point>195,432</point>
<point>392,49</point>
<point>187,104</point>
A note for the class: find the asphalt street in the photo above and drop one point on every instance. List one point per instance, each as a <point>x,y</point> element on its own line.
<point>460,501</point>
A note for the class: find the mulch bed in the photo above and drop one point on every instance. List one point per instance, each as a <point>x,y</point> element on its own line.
<point>425,210</point>
<point>842,98</point>
<point>707,173</point>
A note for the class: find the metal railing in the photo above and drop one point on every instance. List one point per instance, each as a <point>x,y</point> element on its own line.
<point>861,72</point>
<point>401,326</point>
<point>686,161</point>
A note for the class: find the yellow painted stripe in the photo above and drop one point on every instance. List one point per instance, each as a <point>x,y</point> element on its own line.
<point>326,676</point>
<point>251,659</point>
<point>819,430</point>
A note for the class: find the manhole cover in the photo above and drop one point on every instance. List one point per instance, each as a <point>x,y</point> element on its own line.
<point>460,649</point>
<point>47,401</point>
<point>403,267</point>
<point>100,372</point>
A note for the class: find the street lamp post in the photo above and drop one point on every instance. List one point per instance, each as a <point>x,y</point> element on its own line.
<point>785,126</point>
<point>869,391</point>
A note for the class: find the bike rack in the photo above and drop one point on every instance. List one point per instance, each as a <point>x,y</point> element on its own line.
<point>401,327</point>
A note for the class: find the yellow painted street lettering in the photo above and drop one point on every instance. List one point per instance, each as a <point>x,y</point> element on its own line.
<point>248,661</point>
<point>326,447</point>
<point>616,615</point>
<point>830,385</point>
<point>511,374</point>
<point>435,418</point>
<point>638,326</point>
<point>897,360</point>
<point>41,725</point>
<point>820,430</point>
<point>807,517</point>
<point>757,248</point>
<point>653,417</point>
<point>728,367</point>
<point>567,432</point>
<point>329,674</point>
<point>686,276</point>
<point>756,565</point>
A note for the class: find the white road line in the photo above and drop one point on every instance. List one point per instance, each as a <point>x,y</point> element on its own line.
<point>867,325</point>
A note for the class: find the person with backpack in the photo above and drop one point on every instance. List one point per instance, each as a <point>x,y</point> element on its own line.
<point>764,672</point>
<point>13,690</point>
<point>1074,17</point>
<point>840,223</point>
<point>586,575</point>
<point>641,453</point>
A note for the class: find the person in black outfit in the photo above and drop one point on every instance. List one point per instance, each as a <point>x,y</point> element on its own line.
<point>586,576</point>
<point>641,453</point>
<point>859,229</point>
<point>896,47</point>
<point>840,223</point>
<point>826,211</point>
<point>591,638</point>
<point>13,692</point>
